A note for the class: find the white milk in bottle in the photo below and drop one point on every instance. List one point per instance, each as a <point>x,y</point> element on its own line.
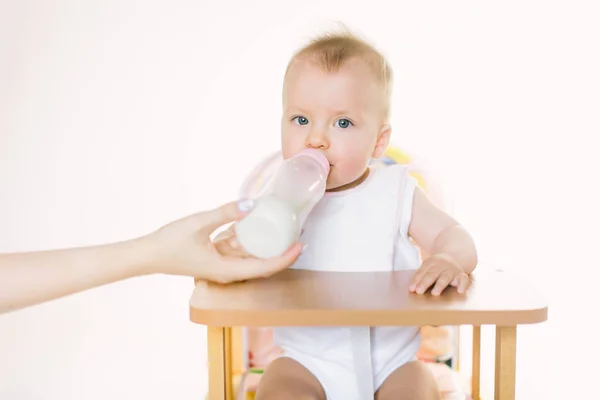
<point>279,213</point>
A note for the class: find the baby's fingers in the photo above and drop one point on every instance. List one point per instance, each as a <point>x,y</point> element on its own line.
<point>427,280</point>
<point>442,283</point>
<point>417,279</point>
<point>463,283</point>
<point>421,272</point>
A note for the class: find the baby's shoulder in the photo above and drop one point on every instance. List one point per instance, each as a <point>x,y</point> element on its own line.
<point>390,176</point>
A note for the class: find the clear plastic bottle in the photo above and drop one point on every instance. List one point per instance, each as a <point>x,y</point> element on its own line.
<point>280,211</point>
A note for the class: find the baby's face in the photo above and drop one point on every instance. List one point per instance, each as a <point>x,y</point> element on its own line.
<point>339,113</point>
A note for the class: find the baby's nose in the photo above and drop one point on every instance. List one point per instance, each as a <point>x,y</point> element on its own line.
<point>317,140</point>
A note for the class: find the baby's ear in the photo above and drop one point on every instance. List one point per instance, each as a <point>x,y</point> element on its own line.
<point>383,140</point>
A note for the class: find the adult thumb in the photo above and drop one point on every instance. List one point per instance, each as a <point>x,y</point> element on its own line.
<point>208,221</point>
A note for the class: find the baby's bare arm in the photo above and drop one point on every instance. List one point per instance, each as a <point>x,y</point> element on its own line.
<point>438,233</point>
<point>451,248</point>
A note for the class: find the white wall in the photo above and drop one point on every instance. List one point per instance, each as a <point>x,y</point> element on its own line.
<point>117,116</point>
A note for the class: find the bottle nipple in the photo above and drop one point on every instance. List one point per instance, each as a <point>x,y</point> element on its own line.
<point>317,156</point>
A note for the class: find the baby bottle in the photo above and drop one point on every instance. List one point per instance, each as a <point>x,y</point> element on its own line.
<point>275,222</point>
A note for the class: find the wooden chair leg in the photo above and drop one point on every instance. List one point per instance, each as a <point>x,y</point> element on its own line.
<point>456,363</point>
<point>220,382</point>
<point>506,362</point>
<point>476,365</point>
<point>237,351</point>
<point>228,363</point>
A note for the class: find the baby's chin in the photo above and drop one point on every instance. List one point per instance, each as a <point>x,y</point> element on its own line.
<point>337,183</point>
<point>333,183</point>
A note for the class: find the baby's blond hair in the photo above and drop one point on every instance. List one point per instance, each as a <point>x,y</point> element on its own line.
<point>331,50</point>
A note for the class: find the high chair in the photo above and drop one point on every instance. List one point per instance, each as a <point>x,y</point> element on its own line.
<point>304,298</point>
<point>310,298</point>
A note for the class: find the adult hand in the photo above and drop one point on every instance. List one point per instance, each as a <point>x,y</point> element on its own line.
<point>184,247</point>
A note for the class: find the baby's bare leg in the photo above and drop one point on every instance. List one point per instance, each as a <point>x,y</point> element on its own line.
<point>412,381</point>
<point>286,379</point>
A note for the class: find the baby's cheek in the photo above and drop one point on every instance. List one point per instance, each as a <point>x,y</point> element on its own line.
<point>290,147</point>
<point>352,168</point>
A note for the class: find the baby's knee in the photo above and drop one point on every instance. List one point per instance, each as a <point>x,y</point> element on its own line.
<point>285,378</point>
<point>412,381</point>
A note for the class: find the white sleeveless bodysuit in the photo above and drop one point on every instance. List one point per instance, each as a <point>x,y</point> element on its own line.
<point>361,229</point>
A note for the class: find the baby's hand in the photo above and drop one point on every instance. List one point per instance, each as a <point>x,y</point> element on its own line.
<point>441,270</point>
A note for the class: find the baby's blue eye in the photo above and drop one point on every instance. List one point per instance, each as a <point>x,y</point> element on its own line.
<point>301,120</point>
<point>343,123</point>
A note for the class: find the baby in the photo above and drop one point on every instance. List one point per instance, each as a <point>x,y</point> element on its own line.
<point>336,99</point>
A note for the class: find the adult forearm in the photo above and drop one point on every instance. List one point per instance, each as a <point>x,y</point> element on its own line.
<point>31,278</point>
<point>182,247</point>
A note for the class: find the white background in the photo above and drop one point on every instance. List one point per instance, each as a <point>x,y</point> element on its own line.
<point>118,116</point>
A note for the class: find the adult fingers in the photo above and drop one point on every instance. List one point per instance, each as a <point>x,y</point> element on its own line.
<point>242,269</point>
<point>228,248</point>
<point>224,235</point>
<point>208,221</point>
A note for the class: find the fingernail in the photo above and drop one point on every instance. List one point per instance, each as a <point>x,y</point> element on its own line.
<point>304,247</point>
<point>245,205</point>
